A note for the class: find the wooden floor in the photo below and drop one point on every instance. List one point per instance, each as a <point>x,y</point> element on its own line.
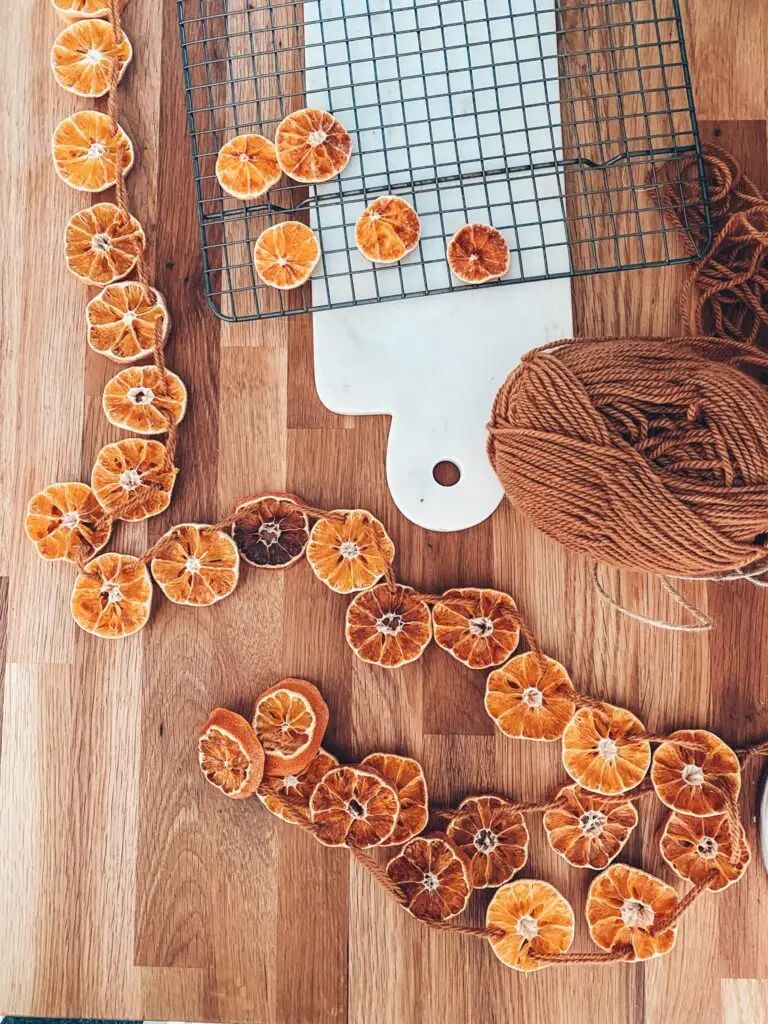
<point>126,887</point>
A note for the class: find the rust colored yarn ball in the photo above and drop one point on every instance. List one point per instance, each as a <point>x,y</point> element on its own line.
<point>645,454</point>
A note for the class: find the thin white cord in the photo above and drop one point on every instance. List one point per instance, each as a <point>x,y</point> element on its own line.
<point>702,623</point>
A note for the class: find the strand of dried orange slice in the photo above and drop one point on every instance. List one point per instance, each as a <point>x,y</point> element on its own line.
<point>230,755</point>
<point>480,627</point>
<point>103,244</point>
<point>388,626</point>
<point>349,550</point>
<point>66,521</point>
<point>586,829</point>
<point>290,719</point>
<point>287,796</point>
<point>407,777</point>
<point>434,877</point>
<point>533,920</point>
<point>531,697</point>
<point>132,479</point>
<point>493,836</point>
<point>123,318</point>
<point>112,596</point>
<point>354,805</point>
<point>87,151</point>
<point>75,10</point>
<point>271,531</point>
<point>195,564</point>
<point>624,908</point>
<point>82,56</point>
<point>605,750</point>
<point>702,849</point>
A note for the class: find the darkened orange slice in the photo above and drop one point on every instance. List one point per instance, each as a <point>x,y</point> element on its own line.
<point>353,805</point>
<point>286,254</point>
<point>66,521</point>
<point>230,754</point>
<point>478,253</point>
<point>534,918</point>
<point>83,55</point>
<point>312,145</point>
<point>122,320</point>
<point>478,626</point>
<point>388,626</point>
<point>530,698</point>
<point>602,751</point>
<point>587,830</point>
<point>349,553</point>
<point>290,720</point>
<point>701,849</point>
<point>85,151</point>
<point>434,877</point>
<point>132,478</point>
<point>271,532</point>
<point>287,796</point>
<point>407,777</point>
<point>624,909</point>
<point>103,244</point>
<point>114,598</point>
<point>247,166</point>
<point>493,836</point>
<point>196,564</point>
<point>143,400</point>
<point>700,782</point>
<point>387,230</point>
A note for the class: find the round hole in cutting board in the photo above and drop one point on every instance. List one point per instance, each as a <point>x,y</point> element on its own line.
<point>446,473</point>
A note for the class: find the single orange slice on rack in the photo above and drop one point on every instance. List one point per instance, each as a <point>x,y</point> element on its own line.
<point>587,830</point>
<point>530,698</point>
<point>103,244</point>
<point>66,521</point>
<point>434,877</point>
<point>388,626</point>
<point>287,796</point>
<point>247,166</point>
<point>602,751</point>
<point>75,10</point>
<point>532,918</point>
<point>83,55</point>
<point>478,626</point>
<point>122,320</point>
<point>114,597</point>
<point>349,550</point>
<point>272,531</point>
<point>144,399</point>
<point>85,151</point>
<point>626,908</point>
<point>478,253</point>
<point>493,836</point>
<point>353,805</point>
<point>407,777</point>
<point>196,564</point>
<point>387,230</point>
<point>230,754</point>
<point>286,254</point>
<point>290,719</point>
<point>696,781</point>
<point>312,145</point>
<point>701,849</point>
<point>133,479</point>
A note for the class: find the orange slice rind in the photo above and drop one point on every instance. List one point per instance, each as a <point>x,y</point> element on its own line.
<point>312,146</point>
<point>533,917</point>
<point>196,564</point>
<point>433,876</point>
<point>478,253</point>
<point>353,805</point>
<point>290,720</point>
<point>349,550</point>
<point>493,836</point>
<point>247,167</point>
<point>230,755</point>
<point>624,909</point>
<point>85,151</point>
<point>387,230</point>
<point>66,521</point>
<point>83,54</point>
<point>271,532</point>
<point>478,626</point>
<point>407,777</point>
<point>103,244</point>
<point>143,399</point>
<point>388,626</point>
<point>114,598</point>
<point>132,478</point>
<point>122,320</point>
<point>586,830</point>
<point>285,255</point>
<point>530,698</point>
<point>602,751</point>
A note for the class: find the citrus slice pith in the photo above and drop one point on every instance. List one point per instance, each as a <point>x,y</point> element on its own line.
<point>407,777</point>
<point>312,145</point>
<point>534,918</point>
<point>353,805</point>
<point>114,599</point>
<point>493,836</point>
<point>103,244</point>
<point>83,54</point>
<point>247,167</point>
<point>701,849</point>
<point>196,564</point>
<point>85,151</point>
<point>530,698</point>
<point>602,752</point>
<point>287,796</point>
<point>349,550</point>
<point>478,253</point>
<point>66,521</point>
<point>143,399</point>
<point>230,755</point>
<point>480,627</point>
<point>290,720</point>
<point>434,877</point>
<point>388,626</point>
<point>132,478</point>
<point>285,255</point>
<point>122,320</point>
<point>696,781</point>
<point>587,830</point>
<point>387,230</point>
<point>624,909</point>
<point>271,532</point>
<point>75,10</point>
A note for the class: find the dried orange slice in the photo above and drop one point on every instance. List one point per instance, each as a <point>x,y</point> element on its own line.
<point>142,399</point>
<point>66,521</point>
<point>271,532</point>
<point>530,699</point>
<point>478,253</point>
<point>312,145</point>
<point>247,166</point>
<point>290,719</point>
<point>74,10</point>
<point>625,908</point>
<point>132,478</point>
<point>349,553</point>
<point>83,55</point>
<point>694,781</point>
<point>286,254</point>
<point>587,830</point>
<point>85,151</point>
<point>493,836</point>
<point>387,230</point>
<point>114,598</point>
<point>353,805</point>
<point>696,847</point>
<point>287,796</point>
<point>601,750</point>
<point>196,564</point>
<point>122,319</point>
<point>434,877</point>
<point>478,626</point>
<point>388,626</point>
<point>230,754</point>
<point>534,918</point>
<point>103,244</point>
<point>407,777</point>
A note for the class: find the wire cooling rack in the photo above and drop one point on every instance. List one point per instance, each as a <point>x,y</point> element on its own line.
<point>547,118</point>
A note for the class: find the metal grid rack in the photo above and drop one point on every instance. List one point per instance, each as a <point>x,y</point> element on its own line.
<point>547,118</point>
